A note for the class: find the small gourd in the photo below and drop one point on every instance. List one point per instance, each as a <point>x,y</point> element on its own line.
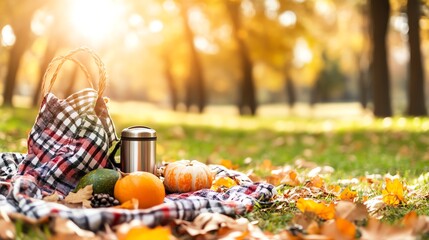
<point>187,176</point>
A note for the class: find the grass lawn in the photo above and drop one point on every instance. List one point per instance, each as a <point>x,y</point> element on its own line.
<point>354,147</point>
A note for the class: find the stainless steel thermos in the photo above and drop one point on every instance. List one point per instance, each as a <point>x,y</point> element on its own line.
<point>138,149</point>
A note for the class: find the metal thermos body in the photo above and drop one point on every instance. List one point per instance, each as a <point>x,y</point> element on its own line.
<point>138,149</point>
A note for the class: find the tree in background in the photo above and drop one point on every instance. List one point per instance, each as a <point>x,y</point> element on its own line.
<point>172,88</point>
<point>247,103</point>
<point>21,14</point>
<point>258,51</point>
<point>416,94</point>
<point>379,14</point>
<point>290,91</point>
<point>363,56</point>
<point>195,87</point>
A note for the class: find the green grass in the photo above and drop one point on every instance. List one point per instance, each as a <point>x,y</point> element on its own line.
<point>354,146</point>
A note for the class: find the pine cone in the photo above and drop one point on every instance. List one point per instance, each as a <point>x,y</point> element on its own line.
<point>103,200</point>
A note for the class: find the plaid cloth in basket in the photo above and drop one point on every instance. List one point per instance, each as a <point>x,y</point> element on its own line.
<point>237,200</point>
<point>70,137</point>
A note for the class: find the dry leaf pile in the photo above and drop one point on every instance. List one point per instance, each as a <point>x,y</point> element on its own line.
<point>322,209</point>
<point>80,199</point>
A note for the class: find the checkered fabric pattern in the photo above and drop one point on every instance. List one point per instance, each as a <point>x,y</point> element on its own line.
<point>9,164</point>
<point>70,137</point>
<point>237,200</point>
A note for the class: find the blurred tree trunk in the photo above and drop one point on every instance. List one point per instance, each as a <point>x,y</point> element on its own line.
<point>189,96</point>
<point>363,88</point>
<point>195,90</point>
<point>22,30</point>
<point>21,15</point>
<point>416,94</point>
<point>170,82</point>
<point>49,54</point>
<point>364,58</point>
<point>290,92</point>
<point>315,92</point>
<point>379,13</point>
<point>247,98</point>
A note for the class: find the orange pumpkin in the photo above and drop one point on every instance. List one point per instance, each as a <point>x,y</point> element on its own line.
<point>143,186</point>
<point>187,176</point>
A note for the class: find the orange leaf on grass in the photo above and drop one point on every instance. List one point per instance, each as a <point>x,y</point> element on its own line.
<point>378,230</point>
<point>346,228</point>
<point>291,178</point>
<point>419,224</point>
<point>348,195</point>
<point>393,194</point>
<point>316,182</point>
<point>143,232</point>
<point>266,164</point>
<point>339,228</point>
<point>274,179</point>
<point>351,211</point>
<point>228,164</point>
<point>334,189</point>
<point>324,211</point>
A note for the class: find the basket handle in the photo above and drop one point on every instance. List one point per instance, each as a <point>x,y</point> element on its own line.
<point>59,61</point>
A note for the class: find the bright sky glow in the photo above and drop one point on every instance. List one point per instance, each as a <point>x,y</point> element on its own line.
<point>401,54</point>
<point>7,36</point>
<point>135,20</point>
<point>326,9</point>
<point>287,18</point>
<point>224,32</point>
<point>170,6</point>
<point>200,24</point>
<point>40,22</point>
<point>156,26</point>
<point>322,7</point>
<point>400,23</point>
<point>248,8</point>
<point>204,45</point>
<point>301,53</point>
<point>271,8</point>
<point>132,40</point>
<point>94,19</point>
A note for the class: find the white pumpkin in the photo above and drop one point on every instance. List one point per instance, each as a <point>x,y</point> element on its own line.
<point>187,176</point>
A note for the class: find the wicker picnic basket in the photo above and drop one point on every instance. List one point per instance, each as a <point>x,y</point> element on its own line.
<point>71,136</point>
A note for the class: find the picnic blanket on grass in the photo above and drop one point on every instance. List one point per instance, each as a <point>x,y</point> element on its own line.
<point>236,200</point>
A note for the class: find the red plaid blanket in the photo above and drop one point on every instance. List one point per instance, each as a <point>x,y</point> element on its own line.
<point>236,200</point>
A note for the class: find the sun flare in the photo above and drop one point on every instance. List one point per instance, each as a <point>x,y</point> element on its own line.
<point>7,36</point>
<point>94,19</point>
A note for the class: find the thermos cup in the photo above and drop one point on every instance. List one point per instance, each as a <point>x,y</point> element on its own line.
<point>138,149</point>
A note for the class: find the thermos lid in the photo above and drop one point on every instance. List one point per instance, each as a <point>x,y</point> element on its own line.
<point>136,132</point>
